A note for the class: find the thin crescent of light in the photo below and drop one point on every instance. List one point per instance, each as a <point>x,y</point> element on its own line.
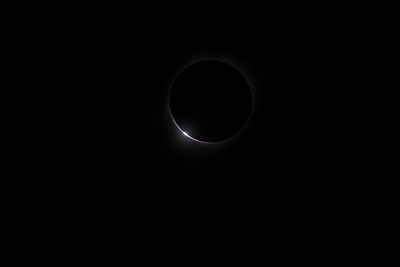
<point>185,134</point>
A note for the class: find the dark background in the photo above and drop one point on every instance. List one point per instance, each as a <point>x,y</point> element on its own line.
<point>101,167</point>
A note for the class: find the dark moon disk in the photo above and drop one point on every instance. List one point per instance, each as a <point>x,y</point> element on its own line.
<point>210,101</point>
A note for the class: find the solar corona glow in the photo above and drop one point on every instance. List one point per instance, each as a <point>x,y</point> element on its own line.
<point>210,101</point>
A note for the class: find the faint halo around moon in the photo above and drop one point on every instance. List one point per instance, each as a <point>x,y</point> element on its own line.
<point>210,101</point>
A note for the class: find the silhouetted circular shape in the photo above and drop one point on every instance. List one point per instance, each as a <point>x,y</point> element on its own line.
<point>210,101</point>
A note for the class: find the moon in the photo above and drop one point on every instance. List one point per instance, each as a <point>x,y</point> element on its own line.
<point>210,101</point>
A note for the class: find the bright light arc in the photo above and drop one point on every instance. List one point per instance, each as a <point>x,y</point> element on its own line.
<point>187,135</point>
